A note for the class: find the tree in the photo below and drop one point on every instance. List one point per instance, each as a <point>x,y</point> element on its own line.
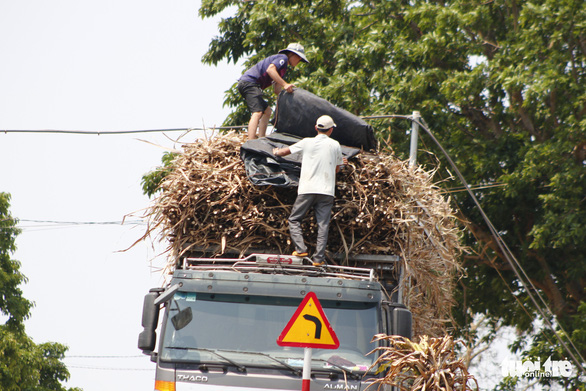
<point>502,84</point>
<point>23,364</point>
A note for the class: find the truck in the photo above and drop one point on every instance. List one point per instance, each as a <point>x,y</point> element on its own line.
<point>221,318</point>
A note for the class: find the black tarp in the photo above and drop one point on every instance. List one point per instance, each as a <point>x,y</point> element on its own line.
<point>297,112</point>
<point>263,168</point>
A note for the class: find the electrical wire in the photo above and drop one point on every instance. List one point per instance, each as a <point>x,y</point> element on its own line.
<point>108,369</point>
<point>116,132</point>
<point>30,225</point>
<point>110,357</point>
<point>459,189</point>
<point>137,222</point>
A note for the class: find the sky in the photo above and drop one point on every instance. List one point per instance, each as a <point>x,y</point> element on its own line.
<point>107,65</point>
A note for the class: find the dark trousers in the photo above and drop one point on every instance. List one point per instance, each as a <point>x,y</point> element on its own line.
<point>322,205</point>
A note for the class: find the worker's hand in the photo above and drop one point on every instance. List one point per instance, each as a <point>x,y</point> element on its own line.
<point>275,151</point>
<point>341,166</point>
<point>289,87</point>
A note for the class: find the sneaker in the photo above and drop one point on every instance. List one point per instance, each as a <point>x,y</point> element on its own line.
<point>300,254</point>
<point>321,263</point>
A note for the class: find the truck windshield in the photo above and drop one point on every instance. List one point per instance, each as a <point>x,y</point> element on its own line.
<point>243,330</point>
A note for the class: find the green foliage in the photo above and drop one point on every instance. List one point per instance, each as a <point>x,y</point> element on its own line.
<point>152,180</point>
<point>507,384</point>
<point>23,364</point>
<point>12,303</point>
<point>502,85</point>
<point>52,371</point>
<point>17,360</point>
<point>30,367</point>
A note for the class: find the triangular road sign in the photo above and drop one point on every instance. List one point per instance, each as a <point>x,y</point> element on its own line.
<point>309,327</point>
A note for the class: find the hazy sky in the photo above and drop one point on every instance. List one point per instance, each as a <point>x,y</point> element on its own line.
<point>100,66</point>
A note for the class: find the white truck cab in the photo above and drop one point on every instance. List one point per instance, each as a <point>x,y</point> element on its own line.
<point>222,319</point>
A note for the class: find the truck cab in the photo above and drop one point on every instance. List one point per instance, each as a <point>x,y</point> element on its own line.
<point>222,318</point>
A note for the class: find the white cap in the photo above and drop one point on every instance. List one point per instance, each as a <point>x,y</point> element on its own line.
<point>296,48</point>
<point>325,122</point>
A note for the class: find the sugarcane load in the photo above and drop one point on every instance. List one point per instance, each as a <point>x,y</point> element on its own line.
<point>227,194</point>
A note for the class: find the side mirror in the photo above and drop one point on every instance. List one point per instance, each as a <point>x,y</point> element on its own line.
<point>150,318</point>
<point>401,322</point>
<point>182,318</point>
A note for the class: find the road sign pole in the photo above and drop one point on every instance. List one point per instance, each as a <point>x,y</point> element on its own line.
<point>306,370</point>
<point>309,328</point>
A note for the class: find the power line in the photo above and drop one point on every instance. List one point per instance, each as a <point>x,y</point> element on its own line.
<point>108,357</point>
<point>116,132</point>
<point>31,223</point>
<point>120,222</point>
<point>510,258</point>
<point>109,368</point>
<point>472,187</point>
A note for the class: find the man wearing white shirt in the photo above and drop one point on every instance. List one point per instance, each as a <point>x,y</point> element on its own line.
<point>322,159</point>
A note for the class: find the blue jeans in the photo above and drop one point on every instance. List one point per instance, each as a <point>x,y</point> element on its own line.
<point>322,205</point>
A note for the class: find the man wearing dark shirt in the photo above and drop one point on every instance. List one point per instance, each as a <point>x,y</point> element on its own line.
<point>269,71</point>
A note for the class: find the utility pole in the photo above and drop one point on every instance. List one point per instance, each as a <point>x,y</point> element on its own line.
<point>414,138</point>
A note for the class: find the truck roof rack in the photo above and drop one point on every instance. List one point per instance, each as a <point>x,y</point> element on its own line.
<point>276,263</point>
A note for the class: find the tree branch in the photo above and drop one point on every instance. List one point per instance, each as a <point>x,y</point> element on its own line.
<point>549,287</point>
